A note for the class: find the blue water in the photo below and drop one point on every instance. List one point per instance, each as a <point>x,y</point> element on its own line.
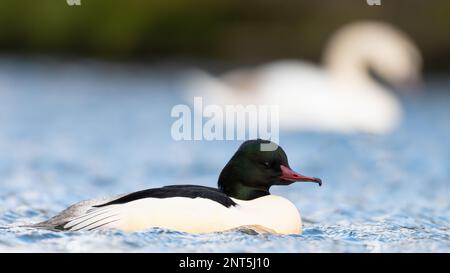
<point>73,131</point>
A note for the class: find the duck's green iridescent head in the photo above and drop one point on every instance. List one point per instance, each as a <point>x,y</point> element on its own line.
<point>251,172</point>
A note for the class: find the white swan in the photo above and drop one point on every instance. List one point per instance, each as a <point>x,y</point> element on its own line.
<point>340,97</point>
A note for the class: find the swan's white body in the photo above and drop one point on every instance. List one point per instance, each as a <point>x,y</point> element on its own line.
<point>269,213</point>
<point>340,97</point>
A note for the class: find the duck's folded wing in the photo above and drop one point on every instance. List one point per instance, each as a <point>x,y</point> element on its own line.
<point>73,212</point>
<point>94,219</point>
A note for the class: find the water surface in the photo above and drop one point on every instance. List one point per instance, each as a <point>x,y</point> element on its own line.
<point>74,131</point>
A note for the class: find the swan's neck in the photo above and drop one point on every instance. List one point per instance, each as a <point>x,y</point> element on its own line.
<point>350,52</point>
<point>348,65</point>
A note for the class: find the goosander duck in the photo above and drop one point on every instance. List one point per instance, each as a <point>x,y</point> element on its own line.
<point>340,97</point>
<point>241,200</point>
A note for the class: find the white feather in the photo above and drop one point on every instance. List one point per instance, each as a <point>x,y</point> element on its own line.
<point>197,215</point>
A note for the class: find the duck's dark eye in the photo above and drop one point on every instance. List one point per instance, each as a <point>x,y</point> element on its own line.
<point>266,164</point>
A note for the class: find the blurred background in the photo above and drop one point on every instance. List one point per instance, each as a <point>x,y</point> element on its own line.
<point>85,99</point>
<point>240,32</point>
